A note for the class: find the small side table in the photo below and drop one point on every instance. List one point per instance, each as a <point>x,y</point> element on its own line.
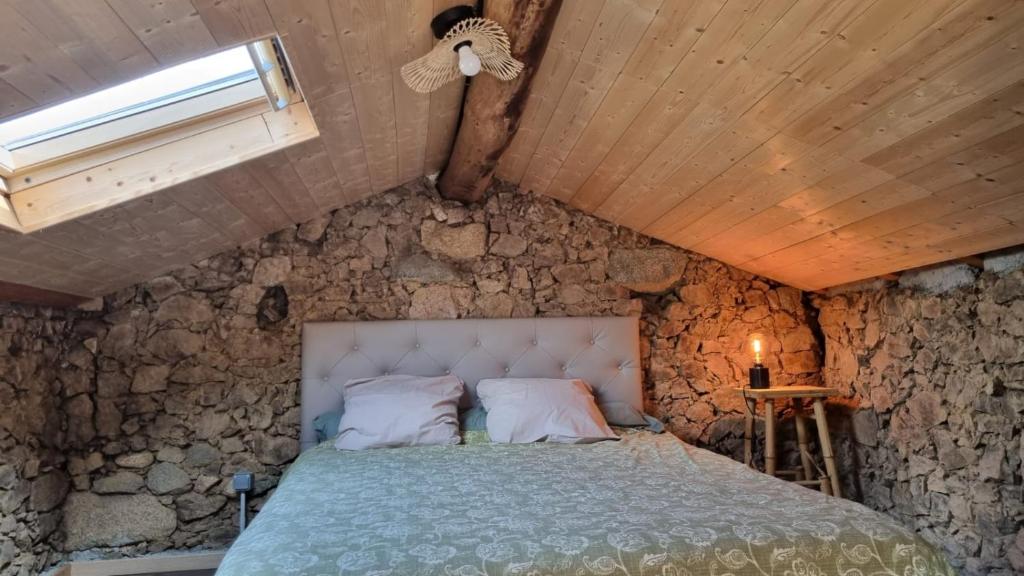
<point>797,394</point>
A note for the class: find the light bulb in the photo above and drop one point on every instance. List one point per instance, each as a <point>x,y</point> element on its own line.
<point>469,62</point>
<point>758,347</point>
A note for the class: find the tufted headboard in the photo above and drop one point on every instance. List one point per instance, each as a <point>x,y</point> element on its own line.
<point>605,352</point>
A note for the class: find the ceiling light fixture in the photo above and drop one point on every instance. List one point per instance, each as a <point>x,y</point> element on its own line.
<point>468,45</point>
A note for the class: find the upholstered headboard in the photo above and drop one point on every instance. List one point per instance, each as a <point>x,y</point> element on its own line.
<point>605,352</point>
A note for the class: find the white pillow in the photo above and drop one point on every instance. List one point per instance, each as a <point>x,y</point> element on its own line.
<point>521,410</point>
<point>393,411</point>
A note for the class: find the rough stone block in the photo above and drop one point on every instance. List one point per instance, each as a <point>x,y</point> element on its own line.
<point>91,521</point>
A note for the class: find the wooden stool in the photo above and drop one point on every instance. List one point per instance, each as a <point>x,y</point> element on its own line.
<point>798,394</point>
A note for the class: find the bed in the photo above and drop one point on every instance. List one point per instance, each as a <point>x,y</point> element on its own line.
<point>647,504</point>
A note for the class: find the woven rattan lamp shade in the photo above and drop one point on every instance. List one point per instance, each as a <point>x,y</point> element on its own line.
<point>441,65</point>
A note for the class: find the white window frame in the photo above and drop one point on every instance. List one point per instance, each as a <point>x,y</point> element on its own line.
<point>67,173</point>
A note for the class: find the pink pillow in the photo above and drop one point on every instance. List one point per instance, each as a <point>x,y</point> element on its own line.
<point>521,410</point>
<point>393,411</point>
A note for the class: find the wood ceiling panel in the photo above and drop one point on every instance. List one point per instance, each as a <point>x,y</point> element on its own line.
<point>12,101</point>
<point>92,34</point>
<point>978,227</point>
<point>34,66</point>
<point>618,31</point>
<point>345,56</point>
<point>758,59</point>
<point>171,30</point>
<point>656,137</point>
<point>568,38</point>
<point>238,186</point>
<point>307,31</point>
<point>233,22</point>
<point>362,31</point>
<point>339,132</point>
<point>11,292</point>
<point>671,34</point>
<point>33,261</point>
<point>203,200</point>
<point>279,178</point>
<point>813,142</point>
<point>842,246</point>
<point>312,164</point>
<point>408,36</point>
<point>964,30</point>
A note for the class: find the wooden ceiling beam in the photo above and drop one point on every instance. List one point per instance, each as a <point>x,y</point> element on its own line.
<point>22,294</point>
<point>493,109</point>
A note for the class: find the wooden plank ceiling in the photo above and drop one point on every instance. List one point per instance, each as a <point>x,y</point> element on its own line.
<point>374,133</point>
<point>815,142</point>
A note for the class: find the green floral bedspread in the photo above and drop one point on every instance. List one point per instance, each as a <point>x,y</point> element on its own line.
<point>646,505</point>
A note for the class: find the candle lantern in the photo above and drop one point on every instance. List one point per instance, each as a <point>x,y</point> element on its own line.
<point>758,347</point>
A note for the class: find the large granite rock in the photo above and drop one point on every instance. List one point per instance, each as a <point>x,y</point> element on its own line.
<point>48,491</point>
<point>458,242</point>
<point>425,269</point>
<point>184,310</point>
<point>150,379</point>
<point>193,506</point>
<point>200,455</point>
<point>651,270</point>
<point>121,482</point>
<point>135,460</point>
<point>433,302</point>
<point>276,450</point>
<point>272,271</point>
<point>167,478</point>
<point>92,521</point>
<point>174,345</point>
<point>509,246</point>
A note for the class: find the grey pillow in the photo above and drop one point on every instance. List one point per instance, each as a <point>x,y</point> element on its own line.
<point>622,414</point>
<point>326,425</point>
<point>521,410</point>
<point>473,419</point>
<point>393,411</point>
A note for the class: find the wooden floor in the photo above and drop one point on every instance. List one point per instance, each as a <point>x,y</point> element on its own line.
<point>187,564</point>
<point>189,573</point>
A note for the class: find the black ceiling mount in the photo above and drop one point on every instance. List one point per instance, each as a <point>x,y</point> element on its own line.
<point>444,21</point>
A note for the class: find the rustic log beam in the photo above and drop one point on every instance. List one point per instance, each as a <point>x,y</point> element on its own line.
<point>492,109</point>
<point>22,294</point>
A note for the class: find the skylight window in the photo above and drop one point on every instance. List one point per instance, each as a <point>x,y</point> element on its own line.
<point>147,134</point>
<point>173,97</point>
<point>181,82</point>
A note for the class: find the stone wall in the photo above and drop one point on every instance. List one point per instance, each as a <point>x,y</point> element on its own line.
<point>935,396</point>
<point>183,380</point>
<point>120,426</point>
<point>37,375</point>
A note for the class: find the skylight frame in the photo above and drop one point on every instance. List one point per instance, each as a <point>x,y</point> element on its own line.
<point>134,110</point>
<point>62,177</point>
<point>268,71</point>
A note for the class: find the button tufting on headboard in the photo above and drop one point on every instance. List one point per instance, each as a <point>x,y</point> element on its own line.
<point>603,351</point>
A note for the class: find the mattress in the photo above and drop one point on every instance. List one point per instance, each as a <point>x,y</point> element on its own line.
<point>648,504</point>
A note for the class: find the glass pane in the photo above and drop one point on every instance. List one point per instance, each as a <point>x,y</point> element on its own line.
<point>160,88</point>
